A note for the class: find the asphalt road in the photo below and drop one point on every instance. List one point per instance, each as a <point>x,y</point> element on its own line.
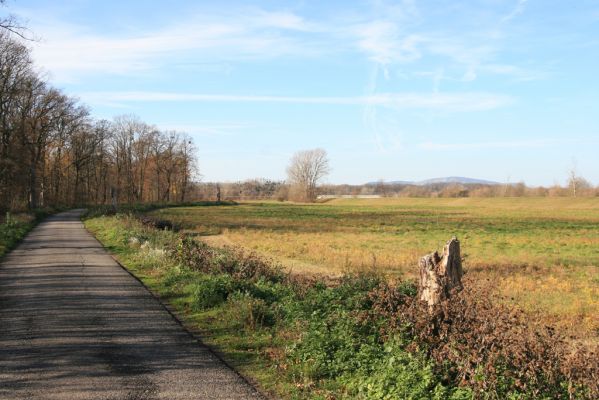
<point>75,325</point>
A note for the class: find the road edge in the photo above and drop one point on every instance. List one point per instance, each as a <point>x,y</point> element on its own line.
<point>193,333</point>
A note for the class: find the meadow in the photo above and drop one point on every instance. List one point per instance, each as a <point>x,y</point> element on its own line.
<point>541,253</point>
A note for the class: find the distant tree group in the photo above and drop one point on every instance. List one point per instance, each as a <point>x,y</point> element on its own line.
<point>263,189</point>
<point>580,188</point>
<point>52,152</point>
<point>252,189</point>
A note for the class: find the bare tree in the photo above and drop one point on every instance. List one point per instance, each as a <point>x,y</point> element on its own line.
<point>306,170</point>
<point>15,73</point>
<point>577,183</point>
<point>11,24</point>
<point>188,165</point>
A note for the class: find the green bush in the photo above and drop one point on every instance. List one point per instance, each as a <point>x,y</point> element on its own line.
<point>211,291</point>
<point>391,372</point>
<point>251,312</point>
<point>352,294</point>
<point>175,277</point>
<point>270,292</point>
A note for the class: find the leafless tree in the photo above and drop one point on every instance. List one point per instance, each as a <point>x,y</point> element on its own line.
<point>12,25</point>
<point>306,170</point>
<point>576,183</point>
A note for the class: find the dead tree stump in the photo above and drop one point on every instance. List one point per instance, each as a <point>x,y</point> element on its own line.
<point>440,275</point>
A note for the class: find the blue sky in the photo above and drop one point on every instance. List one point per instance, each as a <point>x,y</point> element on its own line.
<point>506,90</point>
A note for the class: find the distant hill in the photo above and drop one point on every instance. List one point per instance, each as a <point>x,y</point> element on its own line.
<point>442,181</point>
<point>456,179</point>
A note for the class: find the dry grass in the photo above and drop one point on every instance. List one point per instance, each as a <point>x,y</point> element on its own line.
<point>543,252</point>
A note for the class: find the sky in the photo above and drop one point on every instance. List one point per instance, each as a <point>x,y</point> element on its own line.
<point>504,90</point>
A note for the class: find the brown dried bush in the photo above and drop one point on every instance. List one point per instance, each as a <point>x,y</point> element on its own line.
<point>479,341</point>
<point>238,263</point>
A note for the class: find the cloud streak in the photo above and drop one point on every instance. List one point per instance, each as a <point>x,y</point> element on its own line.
<point>209,128</point>
<point>392,37</point>
<point>517,10</point>
<point>472,101</point>
<point>68,50</point>
<point>489,145</point>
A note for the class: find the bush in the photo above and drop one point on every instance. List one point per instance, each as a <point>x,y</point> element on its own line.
<point>270,292</point>
<point>392,372</point>
<point>328,346</point>
<point>176,276</point>
<point>251,312</point>
<point>232,261</point>
<point>211,291</point>
<point>476,340</point>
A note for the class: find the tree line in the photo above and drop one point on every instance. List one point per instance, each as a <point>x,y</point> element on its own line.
<point>53,152</point>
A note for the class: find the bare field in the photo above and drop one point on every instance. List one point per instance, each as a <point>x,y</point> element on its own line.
<point>541,252</point>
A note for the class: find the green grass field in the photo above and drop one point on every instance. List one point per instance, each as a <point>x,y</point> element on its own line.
<point>542,252</point>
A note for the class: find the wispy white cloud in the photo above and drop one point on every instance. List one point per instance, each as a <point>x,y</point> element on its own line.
<point>384,43</point>
<point>208,128</point>
<point>472,101</point>
<point>68,50</point>
<point>517,10</point>
<point>489,145</point>
<point>389,37</point>
<point>517,73</point>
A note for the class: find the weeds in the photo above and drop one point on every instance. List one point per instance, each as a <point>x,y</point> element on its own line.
<point>13,227</point>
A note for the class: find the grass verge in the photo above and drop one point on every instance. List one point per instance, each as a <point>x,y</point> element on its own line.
<point>14,227</point>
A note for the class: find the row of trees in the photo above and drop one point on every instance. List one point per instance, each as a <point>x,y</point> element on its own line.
<point>252,189</point>
<point>52,152</point>
<point>259,189</point>
<point>307,168</point>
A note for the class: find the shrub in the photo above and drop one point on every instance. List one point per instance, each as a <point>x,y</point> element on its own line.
<point>327,347</point>
<point>251,312</point>
<point>176,276</point>
<point>392,372</point>
<point>270,292</point>
<point>476,341</point>
<point>239,264</point>
<point>211,291</point>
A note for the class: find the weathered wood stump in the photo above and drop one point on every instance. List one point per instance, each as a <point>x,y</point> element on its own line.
<point>441,275</point>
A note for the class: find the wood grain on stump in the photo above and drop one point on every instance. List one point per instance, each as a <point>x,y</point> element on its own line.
<point>441,275</point>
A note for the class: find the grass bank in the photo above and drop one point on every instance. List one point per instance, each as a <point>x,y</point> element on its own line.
<point>357,337</point>
<point>14,227</point>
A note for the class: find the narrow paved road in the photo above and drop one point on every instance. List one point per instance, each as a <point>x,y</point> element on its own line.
<point>75,325</point>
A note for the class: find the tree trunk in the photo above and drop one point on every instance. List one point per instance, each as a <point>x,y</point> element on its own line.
<point>33,202</point>
<point>441,275</point>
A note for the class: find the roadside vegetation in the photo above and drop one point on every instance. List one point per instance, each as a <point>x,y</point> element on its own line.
<point>360,335</point>
<point>14,227</point>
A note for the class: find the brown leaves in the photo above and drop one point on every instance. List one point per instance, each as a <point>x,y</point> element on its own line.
<point>488,345</point>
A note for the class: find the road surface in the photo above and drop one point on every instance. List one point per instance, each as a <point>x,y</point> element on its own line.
<point>75,325</point>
